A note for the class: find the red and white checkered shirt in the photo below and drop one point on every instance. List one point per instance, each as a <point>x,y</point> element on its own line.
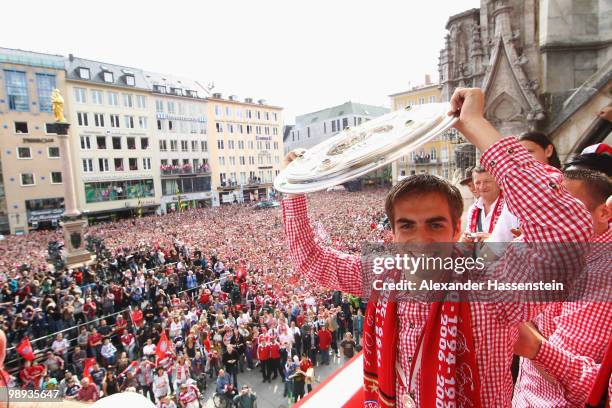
<point>577,333</point>
<point>547,213</point>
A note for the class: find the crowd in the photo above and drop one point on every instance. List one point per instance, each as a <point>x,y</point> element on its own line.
<point>213,286</point>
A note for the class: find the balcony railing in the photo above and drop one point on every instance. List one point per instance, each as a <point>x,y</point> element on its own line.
<point>165,171</point>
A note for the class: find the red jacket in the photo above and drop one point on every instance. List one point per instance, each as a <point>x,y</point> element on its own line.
<point>263,352</point>
<point>325,339</point>
<point>275,350</point>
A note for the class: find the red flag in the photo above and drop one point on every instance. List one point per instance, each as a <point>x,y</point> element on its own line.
<point>24,348</point>
<point>87,365</point>
<point>163,346</point>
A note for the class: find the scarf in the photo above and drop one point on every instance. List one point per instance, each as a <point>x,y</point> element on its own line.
<point>474,224</point>
<point>447,339</point>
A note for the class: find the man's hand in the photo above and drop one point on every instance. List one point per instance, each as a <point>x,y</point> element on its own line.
<point>468,105</point>
<point>291,156</point>
<point>529,341</point>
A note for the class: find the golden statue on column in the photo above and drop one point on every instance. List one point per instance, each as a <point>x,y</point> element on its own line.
<point>57,104</point>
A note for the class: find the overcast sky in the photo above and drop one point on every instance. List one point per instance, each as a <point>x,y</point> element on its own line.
<point>303,56</point>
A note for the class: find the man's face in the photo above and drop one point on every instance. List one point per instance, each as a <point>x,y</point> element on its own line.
<point>485,186</point>
<point>424,218</point>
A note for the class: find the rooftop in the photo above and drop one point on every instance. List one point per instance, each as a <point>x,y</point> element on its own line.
<point>347,108</point>
<point>30,58</point>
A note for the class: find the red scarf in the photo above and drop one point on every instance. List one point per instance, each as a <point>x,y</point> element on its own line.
<point>494,217</point>
<point>447,338</point>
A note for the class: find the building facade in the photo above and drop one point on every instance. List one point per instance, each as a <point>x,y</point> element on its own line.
<point>31,190</point>
<point>246,148</point>
<point>109,107</point>
<point>443,156</point>
<point>312,128</point>
<point>543,65</point>
<point>181,142</point>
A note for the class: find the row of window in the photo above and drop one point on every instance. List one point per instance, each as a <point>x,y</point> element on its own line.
<point>185,145</point>
<point>175,91</point>
<point>248,113</point>
<point>263,176</point>
<point>53,152</point>
<point>333,126</point>
<point>419,101</point>
<point>29,179</point>
<point>107,76</point>
<point>182,126</point>
<point>96,192</point>
<point>116,142</point>
<point>17,90</point>
<point>118,164</point>
<point>261,144</point>
<point>250,129</point>
<point>185,185</point>
<point>99,120</point>
<point>242,160</point>
<point>171,108</point>
<point>112,98</point>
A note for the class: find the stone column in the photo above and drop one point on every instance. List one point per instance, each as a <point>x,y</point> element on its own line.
<point>72,222</point>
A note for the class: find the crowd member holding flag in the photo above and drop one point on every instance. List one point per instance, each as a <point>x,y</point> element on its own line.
<point>24,348</point>
<point>425,209</point>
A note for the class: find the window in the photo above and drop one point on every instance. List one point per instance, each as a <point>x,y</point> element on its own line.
<point>159,105</point>
<point>103,165</point>
<point>267,115</point>
<point>130,80</point>
<point>144,143</point>
<point>99,119</point>
<point>230,128</point>
<point>170,125</point>
<point>204,145</point>
<point>421,100</point>
<point>116,142</point>
<point>160,125</point>
<point>230,144</point>
<point>249,129</point>
<point>275,145</point>
<point>85,143</point>
<point>177,91</point>
<point>159,88</point>
<point>101,142</point>
<point>114,121</point>
<point>21,127</point>
<point>258,114</point>
<point>27,179</point>
<point>84,73</point>
<point>141,101</point>
<point>17,90</point>
<point>142,122</point>
<point>275,116</point>
<point>228,111</point>
<point>219,144</point>
<point>82,119</point>
<point>113,98</point>
<point>232,161</point>
<point>24,153</point>
<point>128,101</point>
<point>433,154</point>
<point>56,177</point>
<point>173,145</point>
<point>108,76</point>
<point>131,143</point>
<point>184,146</point>
<point>146,163</point>
<point>163,146</point>
<point>87,165</point>
<point>241,144</point>
<point>194,145</point>
<point>97,97</point>
<point>242,161</point>
<point>53,152</point>
<point>217,110</point>
<point>251,160</point>
<point>118,162</point>
<point>251,144</point>
<point>222,160</point>
<point>129,122</point>
<point>242,177</point>
<point>345,123</point>
<point>249,114</point>
<point>219,127</point>
<point>133,163</point>
<point>45,84</point>
<point>80,95</point>
<point>170,106</point>
<point>118,190</point>
<point>308,131</point>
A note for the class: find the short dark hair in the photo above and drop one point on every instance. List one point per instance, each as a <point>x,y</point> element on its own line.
<point>598,185</point>
<point>479,170</point>
<point>423,184</point>
<point>592,161</point>
<point>543,141</point>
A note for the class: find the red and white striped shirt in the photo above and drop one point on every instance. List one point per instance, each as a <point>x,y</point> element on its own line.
<point>577,333</point>
<point>547,212</point>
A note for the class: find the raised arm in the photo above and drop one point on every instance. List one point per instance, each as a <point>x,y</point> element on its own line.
<point>330,268</point>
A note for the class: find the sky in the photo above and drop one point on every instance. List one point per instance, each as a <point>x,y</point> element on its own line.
<point>301,55</point>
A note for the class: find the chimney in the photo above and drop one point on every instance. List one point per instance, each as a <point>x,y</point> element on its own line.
<point>217,96</point>
<point>71,57</point>
<point>427,79</point>
<point>248,100</point>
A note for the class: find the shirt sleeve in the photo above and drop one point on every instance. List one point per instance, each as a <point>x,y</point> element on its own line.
<point>548,214</point>
<point>331,268</point>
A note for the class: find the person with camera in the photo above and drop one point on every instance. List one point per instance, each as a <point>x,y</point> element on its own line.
<point>246,398</point>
